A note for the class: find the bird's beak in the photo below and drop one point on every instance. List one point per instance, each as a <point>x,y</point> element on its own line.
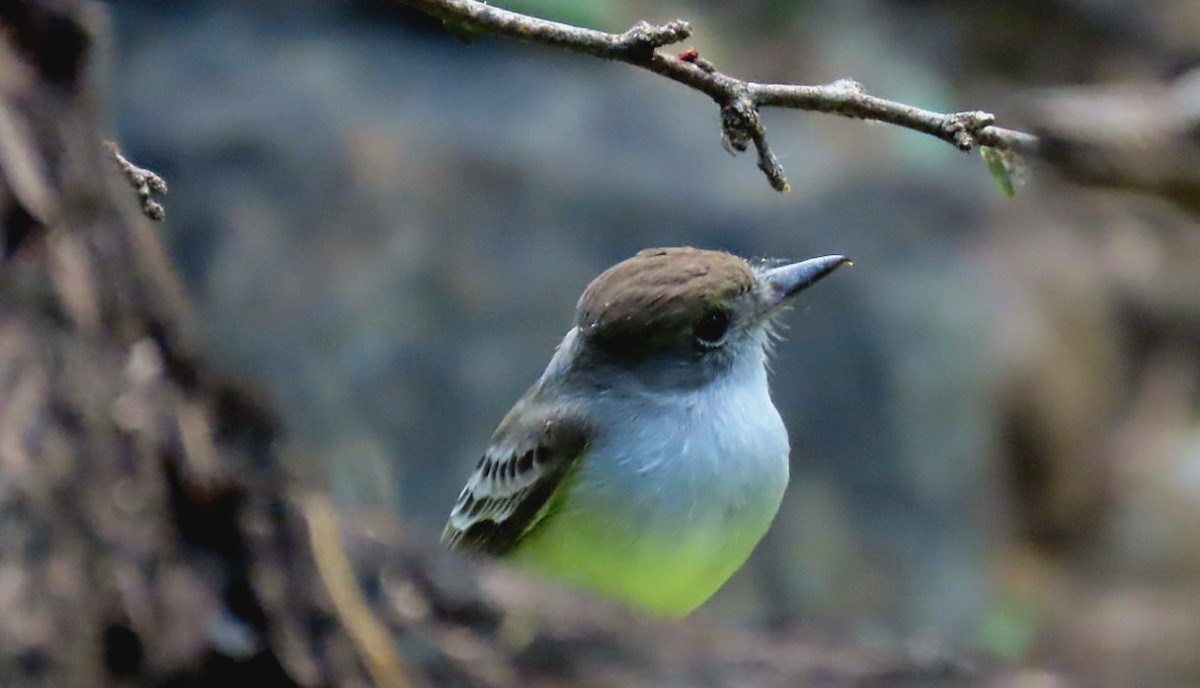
<point>785,281</point>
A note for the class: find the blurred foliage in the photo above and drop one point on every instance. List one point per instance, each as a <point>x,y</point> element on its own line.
<point>605,15</point>
<point>1008,629</point>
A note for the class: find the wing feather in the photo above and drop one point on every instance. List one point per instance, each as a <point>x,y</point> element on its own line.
<point>511,489</point>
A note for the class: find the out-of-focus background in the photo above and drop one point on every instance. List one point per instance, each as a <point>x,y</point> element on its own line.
<point>994,414</point>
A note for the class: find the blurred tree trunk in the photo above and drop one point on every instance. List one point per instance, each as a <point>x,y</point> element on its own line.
<point>144,533</point>
<point>147,533</point>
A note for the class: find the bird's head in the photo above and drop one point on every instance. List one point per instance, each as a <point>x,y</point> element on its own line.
<point>683,315</point>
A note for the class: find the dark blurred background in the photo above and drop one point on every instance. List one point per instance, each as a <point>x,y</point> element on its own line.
<point>994,414</point>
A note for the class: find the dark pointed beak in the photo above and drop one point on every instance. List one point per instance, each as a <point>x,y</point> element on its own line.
<point>786,281</point>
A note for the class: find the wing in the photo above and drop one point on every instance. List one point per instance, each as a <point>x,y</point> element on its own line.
<point>510,491</point>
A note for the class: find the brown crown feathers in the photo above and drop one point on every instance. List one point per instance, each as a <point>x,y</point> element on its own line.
<point>659,295</point>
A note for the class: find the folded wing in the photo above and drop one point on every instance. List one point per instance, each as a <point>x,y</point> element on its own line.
<point>514,485</point>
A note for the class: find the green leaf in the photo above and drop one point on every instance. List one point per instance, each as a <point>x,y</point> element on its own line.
<point>998,166</point>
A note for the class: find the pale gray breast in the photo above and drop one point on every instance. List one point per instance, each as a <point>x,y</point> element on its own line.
<point>711,458</point>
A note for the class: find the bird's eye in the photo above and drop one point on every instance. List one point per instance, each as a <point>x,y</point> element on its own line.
<point>712,328</point>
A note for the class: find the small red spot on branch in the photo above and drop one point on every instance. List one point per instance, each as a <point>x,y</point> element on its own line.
<point>689,55</point>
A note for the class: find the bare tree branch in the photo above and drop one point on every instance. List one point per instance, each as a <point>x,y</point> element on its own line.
<point>739,100</point>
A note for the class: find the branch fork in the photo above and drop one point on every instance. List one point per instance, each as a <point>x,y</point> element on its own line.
<point>739,101</point>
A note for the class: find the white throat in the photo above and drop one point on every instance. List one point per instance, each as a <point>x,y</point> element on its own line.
<point>685,455</point>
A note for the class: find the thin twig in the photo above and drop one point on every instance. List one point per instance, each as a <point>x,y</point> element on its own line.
<point>739,100</point>
<point>144,182</point>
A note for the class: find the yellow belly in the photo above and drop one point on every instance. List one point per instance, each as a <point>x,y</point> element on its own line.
<point>666,573</point>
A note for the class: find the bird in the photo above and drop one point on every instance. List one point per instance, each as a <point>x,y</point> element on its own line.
<point>648,460</point>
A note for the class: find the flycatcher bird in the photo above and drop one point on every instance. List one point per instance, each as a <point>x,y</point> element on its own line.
<point>648,460</point>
